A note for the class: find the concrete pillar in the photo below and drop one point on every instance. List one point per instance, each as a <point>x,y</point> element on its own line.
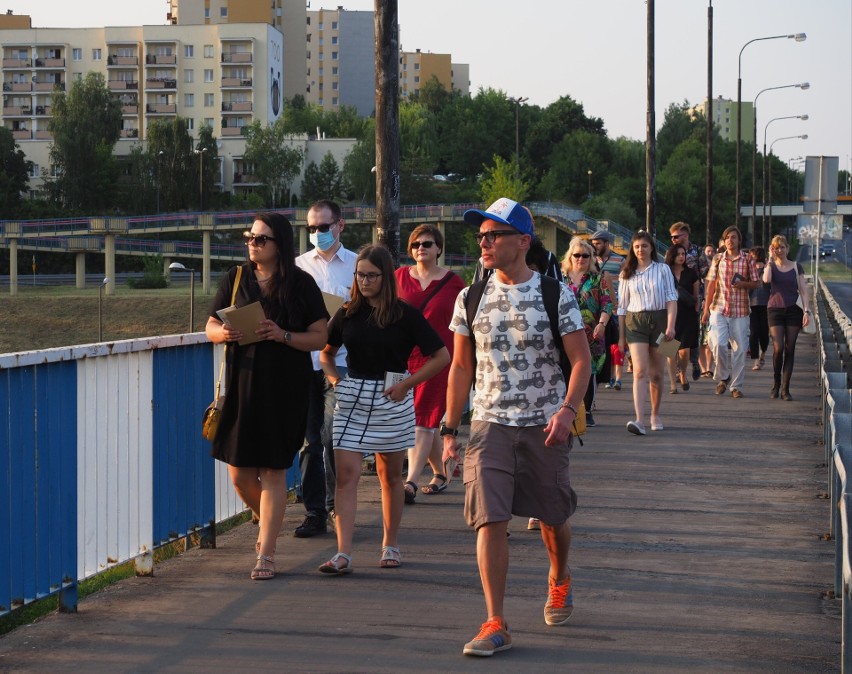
<point>80,261</point>
<point>303,239</point>
<point>166,262</point>
<point>13,266</point>
<point>109,263</point>
<point>546,231</point>
<point>205,264</point>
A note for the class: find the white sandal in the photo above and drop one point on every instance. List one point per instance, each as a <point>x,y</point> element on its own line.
<point>331,567</point>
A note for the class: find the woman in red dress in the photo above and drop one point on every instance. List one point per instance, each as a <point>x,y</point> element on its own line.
<point>432,290</point>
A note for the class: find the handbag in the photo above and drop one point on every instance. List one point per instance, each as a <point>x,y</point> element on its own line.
<point>810,328</point>
<point>213,414</point>
<point>683,295</point>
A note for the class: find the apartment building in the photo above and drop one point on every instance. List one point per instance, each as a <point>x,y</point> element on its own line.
<point>220,75</point>
<point>725,118</point>
<point>416,68</point>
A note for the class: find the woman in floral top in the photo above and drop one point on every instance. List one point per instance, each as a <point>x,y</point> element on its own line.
<point>595,300</point>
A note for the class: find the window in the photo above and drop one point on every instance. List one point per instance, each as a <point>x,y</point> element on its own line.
<point>208,121</point>
<point>209,100</point>
<point>417,66</point>
<point>190,123</point>
<point>206,12</point>
<point>189,76</point>
<point>189,51</point>
<point>34,171</point>
<point>321,72</point>
<point>208,51</point>
<point>124,52</point>
<point>334,39</point>
<point>321,41</point>
<point>77,54</point>
<point>223,12</point>
<point>334,25</point>
<point>208,75</point>
<point>334,70</point>
<point>96,54</point>
<point>320,25</point>
<point>416,79</point>
<point>78,77</point>
<point>334,56</point>
<point>320,86</point>
<point>188,100</point>
<point>309,54</point>
<point>334,101</point>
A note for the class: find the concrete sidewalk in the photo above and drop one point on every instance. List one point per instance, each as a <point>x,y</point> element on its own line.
<point>696,549</point>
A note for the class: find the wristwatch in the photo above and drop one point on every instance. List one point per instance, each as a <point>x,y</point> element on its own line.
<point>446,430</point>
<point>287,337</point>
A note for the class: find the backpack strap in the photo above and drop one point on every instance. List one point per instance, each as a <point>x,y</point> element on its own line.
<point>471,304</point>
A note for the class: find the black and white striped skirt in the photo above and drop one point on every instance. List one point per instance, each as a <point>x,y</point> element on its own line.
<point>365,420</point>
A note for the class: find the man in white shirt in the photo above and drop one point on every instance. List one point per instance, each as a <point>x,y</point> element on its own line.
<point>333,268</point>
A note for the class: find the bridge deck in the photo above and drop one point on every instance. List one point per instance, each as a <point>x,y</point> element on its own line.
<point>695,549</point>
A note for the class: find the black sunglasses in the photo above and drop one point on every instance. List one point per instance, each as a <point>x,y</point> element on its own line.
<point>258,240</point>
<point>491,236</point>
<point>585,256</point>
<point>426,244</point>
<point>320,228</point>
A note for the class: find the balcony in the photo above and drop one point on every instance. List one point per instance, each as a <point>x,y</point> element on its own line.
<point>236,57</point>
<point>49,86</point>
<point>237,106</point>
<point>118,85</point>
<point>43,135</point>
<point>22,134</point>
<point>16,111</point>
<point>129,133</point>
<point>161,109</point>
<point>232,131</point>
<point>50,63</point>
<point>160,83</point>
<point>17,63</point>
<point>44,110</point>
<point>122,60</point>
<point>160,60</point>
<point>17,86</point>
<point>130,109</point>
<point>245,179</point>
<point>235,83</point>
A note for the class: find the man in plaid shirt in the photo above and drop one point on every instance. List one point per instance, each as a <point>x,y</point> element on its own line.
<point>732,274</point>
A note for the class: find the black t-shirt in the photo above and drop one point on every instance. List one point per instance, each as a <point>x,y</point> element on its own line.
<point>373,350</point>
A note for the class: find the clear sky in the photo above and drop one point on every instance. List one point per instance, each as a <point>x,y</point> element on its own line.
<point>596,53</point>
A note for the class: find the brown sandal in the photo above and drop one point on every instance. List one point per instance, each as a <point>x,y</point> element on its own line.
<point>265,568</point>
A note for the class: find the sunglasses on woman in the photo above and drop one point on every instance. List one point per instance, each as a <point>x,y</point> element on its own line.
<point>426,244</point>
<point>258,240</point>
<point>577,256</point>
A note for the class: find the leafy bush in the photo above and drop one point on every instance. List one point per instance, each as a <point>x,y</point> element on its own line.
<point>152,276</point>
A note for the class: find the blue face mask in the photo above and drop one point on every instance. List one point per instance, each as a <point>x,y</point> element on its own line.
<point>322,240</point>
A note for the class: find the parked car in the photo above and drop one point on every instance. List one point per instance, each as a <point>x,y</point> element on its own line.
<point>827,250</point>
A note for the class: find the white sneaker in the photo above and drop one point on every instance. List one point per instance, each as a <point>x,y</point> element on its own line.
<point>636,427</point>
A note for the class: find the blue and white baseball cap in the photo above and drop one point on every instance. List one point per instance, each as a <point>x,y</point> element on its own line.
<point>504,211</point>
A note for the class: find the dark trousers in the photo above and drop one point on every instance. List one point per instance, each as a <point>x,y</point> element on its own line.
<point>758,339</point>
<point>316,460</point>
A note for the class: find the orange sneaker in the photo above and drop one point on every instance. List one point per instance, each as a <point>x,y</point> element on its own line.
<point>560,602</point>
<point>493,637</point>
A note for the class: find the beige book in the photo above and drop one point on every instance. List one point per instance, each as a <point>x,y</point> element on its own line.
<point>332,303</point>
<point>245,319</point>
<point>668,349</point>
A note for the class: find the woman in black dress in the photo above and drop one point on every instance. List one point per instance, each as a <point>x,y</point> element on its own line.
<point>265,412</point>
<point>686,323</point>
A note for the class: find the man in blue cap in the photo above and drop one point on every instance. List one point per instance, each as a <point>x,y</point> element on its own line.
<point>522,415</point>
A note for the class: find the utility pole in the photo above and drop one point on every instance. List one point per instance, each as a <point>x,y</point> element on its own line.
<point>709,133</point>
<point>650,135</point>
<point>387,125</point>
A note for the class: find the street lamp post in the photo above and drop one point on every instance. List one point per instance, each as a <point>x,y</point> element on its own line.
<point>589,172</point>
<point>200,154</point>
<point>804,118</point>
<point>798,37</point>
<point>101,310</point>
<point>159,170</point>
<point>804,136</point>
<point>517,101</point>
<point>177,266</point>
<point>802,85</point>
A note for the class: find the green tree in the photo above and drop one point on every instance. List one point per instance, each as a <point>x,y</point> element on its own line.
<point>358,171</point>
<point>681,186</point>
<point>85,125</point>
<point>323,182</point>
<point>14,174</point>
<point>276,162</point>
<point>571,160</point>
<point>678,125</point>
<point>418,139</point>
<point>208,165</point>
<point>170,150</point>
<point>503,179</point>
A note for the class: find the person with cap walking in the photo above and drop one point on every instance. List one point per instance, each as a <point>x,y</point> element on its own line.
<point>610,264</point>
<point>522,416</point>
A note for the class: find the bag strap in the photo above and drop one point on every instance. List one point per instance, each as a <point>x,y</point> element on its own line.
<point>225,349</point>
<point>440,285</point>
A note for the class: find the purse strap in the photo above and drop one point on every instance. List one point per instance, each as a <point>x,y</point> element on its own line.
<point>225,350</point>
<point>440,285</point>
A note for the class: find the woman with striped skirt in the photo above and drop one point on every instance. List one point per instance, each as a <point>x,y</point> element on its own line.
<point>374,412</point>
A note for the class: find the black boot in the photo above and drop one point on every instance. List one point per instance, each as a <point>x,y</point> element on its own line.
<point>785,388</point>
<point>775,387</point>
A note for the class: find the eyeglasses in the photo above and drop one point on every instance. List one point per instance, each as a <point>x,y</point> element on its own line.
<point>491,236</point>
<point>675,237</point>
<point>369,277</point>
<point>258,240</point>
<point>426,244</point>
<point>320,228</point>
<point>576,256</point>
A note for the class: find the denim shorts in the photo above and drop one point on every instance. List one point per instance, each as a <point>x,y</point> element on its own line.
<point>508,470</point>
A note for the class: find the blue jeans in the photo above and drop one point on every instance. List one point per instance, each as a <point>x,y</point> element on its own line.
<point>316,459</point>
